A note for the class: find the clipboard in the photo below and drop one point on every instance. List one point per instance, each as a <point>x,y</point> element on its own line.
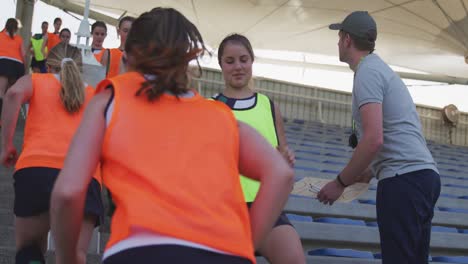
<point>310,187</point>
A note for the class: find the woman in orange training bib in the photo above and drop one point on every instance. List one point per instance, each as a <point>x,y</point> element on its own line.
<point>118,61</point>
<point>56,105</point>
<point>153,136</point>
<point>11,57</point>
<point>99,33</point>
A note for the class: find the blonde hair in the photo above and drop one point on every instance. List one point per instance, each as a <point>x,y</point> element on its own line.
<point>67,60</point>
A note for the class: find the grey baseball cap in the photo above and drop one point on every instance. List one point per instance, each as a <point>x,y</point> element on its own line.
<point>359,24</point>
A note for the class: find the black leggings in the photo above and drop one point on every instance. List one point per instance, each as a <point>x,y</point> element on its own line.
<point>172,254</point>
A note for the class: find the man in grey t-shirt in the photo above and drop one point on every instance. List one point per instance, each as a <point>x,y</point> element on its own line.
<point>391,143</point>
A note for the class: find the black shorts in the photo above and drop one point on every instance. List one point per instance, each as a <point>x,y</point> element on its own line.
<point>39,64</point>
<point>12,69</point>
<point>282,219</point>
<point>33,189</point>
<point>172,254</point>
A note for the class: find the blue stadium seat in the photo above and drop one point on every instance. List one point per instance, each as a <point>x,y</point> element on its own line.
<point>465,197</point>
<point>298,121</point>
<point>446,163</point>
<point>301,196</point>
<point>334,143</point>
<point>454,210</point>
<point>367,201</point>
<point>308,159</point>
<point>305,168</point>
<point>447,259</point>
<point>456,186</point>
<point>379,256</point>
<point>463,231</point>
<point>332,162</point>
<point>446,195</point>
<point>336,155</point>
<point>340,221</point>
<point>330,171</point>
<point>308,152</point>
<point>295,128</point>
<point>306,144</point>
<point>300,218</point>
<point>347,253</point>
<point>315,132</point>
<point>444,229</point>
<point>335,149</point>
<point>450,177</point>
<point>372,224</point>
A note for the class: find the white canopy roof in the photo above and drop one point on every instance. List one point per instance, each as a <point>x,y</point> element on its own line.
<point>425,35</point>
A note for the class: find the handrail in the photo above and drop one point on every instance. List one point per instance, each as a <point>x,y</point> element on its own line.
<point>314,98</point>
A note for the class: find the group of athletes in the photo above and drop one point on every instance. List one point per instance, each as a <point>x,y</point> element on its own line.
<point>170,158</point>
<point>195,180</point>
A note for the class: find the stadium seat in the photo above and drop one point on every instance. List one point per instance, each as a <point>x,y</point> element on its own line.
<point>447,259</point>
<point>367,201</point>
<point>307,152</point>
<point>444,229</point>
<point>347,253</point>
<point>335,148</point>
<point>454,170</point>
<point>379,256</point>
<point>298,121</point>
<point>295,128</point>
<point>335,172</point>
<point>340,221</point>
<point>372,224</point>
<point>332,162</point>
<point>305,168</point>
<point>300,218</point>
<point>330,142</point>
<point>300,196</point>
<point>449,177</point>
<point>336,155</point>
<point>454,210</point>
<point>446,195</point>
<point>307,144</point>
<point>456,186</point>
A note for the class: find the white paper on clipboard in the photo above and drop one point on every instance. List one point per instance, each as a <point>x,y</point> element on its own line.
<point>310,187</point>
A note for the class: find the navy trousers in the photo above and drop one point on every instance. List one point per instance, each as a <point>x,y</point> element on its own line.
<point>405,207</point>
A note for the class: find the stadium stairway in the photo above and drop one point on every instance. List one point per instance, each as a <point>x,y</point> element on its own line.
<point>344,233</point>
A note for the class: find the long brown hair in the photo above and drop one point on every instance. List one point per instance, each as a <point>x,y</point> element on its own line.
<point>67,60</point>
<point>11,26</point>
<point>162,42</point>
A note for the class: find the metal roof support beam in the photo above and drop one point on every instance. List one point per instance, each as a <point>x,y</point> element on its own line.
<point>77,9</point>
<point>339,68</point>
<point>24,12</point>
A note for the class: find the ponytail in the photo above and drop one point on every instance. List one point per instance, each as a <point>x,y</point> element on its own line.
<point>67,59</point>
<point>72,93</point>
<point>11,27</point>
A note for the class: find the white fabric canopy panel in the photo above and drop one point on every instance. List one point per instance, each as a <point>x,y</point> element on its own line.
<point>425,35</point>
